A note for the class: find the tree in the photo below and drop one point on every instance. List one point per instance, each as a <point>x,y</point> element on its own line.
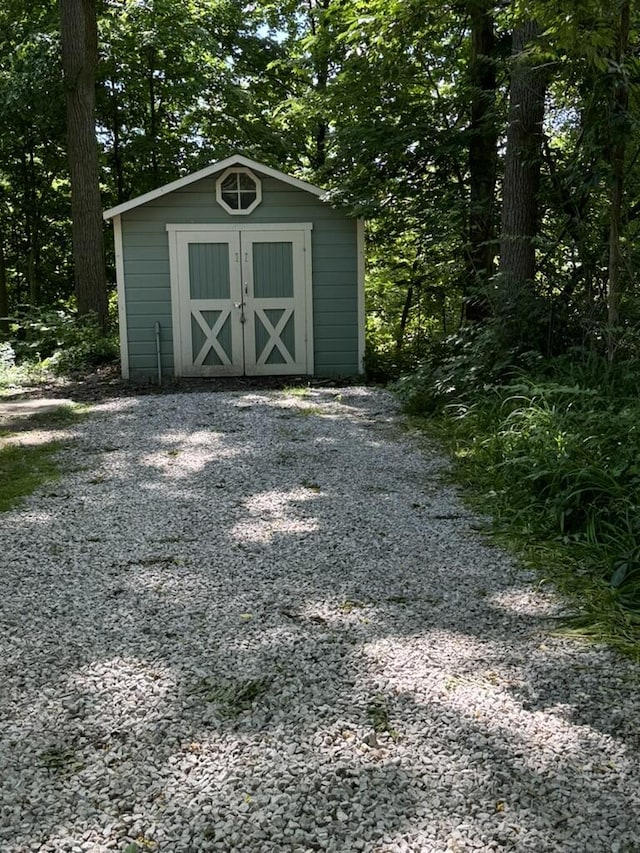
<point>79,42</point>
<point>4,291</point>
<point>521,184</point>
<point>483,142</point>
<point>619,107</point>
<point>33,180</point>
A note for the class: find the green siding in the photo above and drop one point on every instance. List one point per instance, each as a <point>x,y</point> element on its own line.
<point>272,270</point>
<point>146,268</point>
<point>209,276</point>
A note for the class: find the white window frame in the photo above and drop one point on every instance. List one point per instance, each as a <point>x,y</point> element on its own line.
<point>235,170</point>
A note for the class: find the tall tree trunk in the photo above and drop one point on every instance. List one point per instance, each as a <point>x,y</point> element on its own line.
<point>522,161</point>
<point>521,186</point>
<point>30,212</point>
<point>34,234</point>
<point>4,292</point>
<point>483,141</point>
<point>619,107</point>
<point>116,154</point>
<point>153,117</point>
<point>404,318</point>
<point>79,41</point>
<point>320,59</point>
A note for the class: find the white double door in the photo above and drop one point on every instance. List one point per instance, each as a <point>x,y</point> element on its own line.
<point>243,300</point>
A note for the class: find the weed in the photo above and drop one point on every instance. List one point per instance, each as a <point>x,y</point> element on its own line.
<point>56,339</point>
<point>60,760</point>
<point>378,714</point>
<point>311,485</point>
<point>17,377</point>
<point>350,604</point>
<point>232,697</point>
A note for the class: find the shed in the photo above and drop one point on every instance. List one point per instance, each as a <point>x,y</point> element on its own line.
<point>238,269</point>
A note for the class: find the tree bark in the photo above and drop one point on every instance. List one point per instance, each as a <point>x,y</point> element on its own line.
<point>483,141</point>
<point>31,225</point>
<point>619,107</point>
<point>320,59</point>
<point>522,163</point>
<point>153,117</point>
<point>404,319</point>
<point>116,154</point>
<point>4,292</point>
<point>79,42</point>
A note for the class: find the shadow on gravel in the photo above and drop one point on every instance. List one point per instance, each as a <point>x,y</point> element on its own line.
<point>267,627</point>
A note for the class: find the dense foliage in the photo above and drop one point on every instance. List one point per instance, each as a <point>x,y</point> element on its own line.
<point>549,449</point>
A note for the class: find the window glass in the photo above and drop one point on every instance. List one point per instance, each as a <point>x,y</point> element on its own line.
<point>229,184</point>
<point>239,191</point>
<point>230,198</point>
<point>246,182</point>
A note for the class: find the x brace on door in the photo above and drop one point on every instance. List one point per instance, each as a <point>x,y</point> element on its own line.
<point>211,336</point>
<point>274,332</point>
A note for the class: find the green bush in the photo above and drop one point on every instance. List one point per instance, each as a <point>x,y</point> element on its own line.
<point>550,448</point>
<point>459,368</point>
<point>63,342</point>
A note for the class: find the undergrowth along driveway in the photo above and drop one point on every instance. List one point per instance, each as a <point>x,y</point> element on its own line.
<point>260,621</point>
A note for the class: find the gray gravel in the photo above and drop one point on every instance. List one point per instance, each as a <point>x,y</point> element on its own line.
<point>261,622</point>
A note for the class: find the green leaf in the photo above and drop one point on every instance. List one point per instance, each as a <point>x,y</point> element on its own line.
<point>617,578</point>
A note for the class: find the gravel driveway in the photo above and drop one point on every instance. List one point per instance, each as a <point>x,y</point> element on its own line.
<point>259,622</point>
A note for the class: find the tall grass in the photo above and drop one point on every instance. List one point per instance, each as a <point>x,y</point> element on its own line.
<point>553,453</point>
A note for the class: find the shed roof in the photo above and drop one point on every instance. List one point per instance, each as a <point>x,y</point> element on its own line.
<point>219,166</point>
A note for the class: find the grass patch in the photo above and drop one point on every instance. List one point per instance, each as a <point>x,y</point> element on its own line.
<point>307,411</point>
<point>15,377</point>
<point>23,469</point>
<point>65,415</point>
<point>298,390</point>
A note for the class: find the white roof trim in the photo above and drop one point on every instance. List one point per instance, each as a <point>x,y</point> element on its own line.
<point>221,165</point>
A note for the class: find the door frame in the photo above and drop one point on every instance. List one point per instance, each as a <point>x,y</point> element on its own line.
<point>174,232</point>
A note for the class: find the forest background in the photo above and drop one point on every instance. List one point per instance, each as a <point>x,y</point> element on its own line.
<point>493,150</point>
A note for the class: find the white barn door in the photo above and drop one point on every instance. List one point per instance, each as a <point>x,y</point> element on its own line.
<point>243,300</point>
<point>210,341</point>
<point>274,302</point>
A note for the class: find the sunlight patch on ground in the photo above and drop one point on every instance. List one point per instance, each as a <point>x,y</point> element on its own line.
<point>527,601</point>
<point>496,699</point>
<point>271,514</point>
<point>120,405</point>
<point>184,454</point>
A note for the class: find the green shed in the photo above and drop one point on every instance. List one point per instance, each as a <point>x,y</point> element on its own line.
<point>238,269</point>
